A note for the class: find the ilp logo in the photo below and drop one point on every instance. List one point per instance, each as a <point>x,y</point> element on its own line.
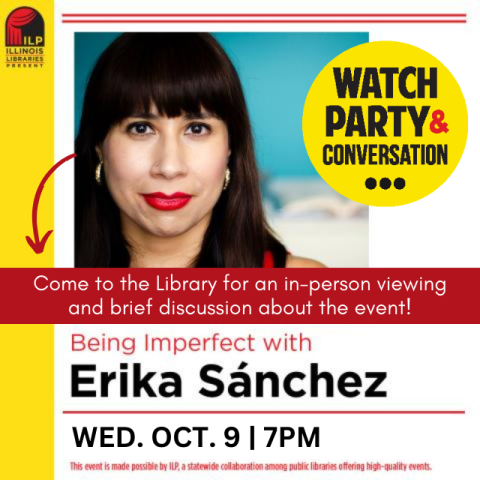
<point>24,38</point>
<point>25,27</point>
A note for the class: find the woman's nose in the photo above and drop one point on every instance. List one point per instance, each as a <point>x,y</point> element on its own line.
<point>169,161</point>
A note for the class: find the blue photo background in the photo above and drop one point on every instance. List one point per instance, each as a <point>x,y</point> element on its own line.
<point>277,71</point>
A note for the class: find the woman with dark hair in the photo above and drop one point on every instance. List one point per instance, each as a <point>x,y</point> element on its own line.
<point>165,174</point>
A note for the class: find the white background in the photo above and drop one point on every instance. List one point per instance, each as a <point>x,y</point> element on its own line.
<point>430,367</point>
<point>441,230</point>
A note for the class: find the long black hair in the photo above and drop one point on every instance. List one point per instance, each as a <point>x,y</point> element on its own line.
<point>180,73</point>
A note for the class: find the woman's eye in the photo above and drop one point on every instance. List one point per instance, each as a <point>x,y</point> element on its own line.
<point>139,128</point>
<point>198,129</point>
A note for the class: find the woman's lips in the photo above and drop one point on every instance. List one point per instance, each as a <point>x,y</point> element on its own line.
<point>162,201</point>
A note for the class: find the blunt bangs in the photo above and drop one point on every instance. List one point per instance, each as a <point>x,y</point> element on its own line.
<point>178,73</point>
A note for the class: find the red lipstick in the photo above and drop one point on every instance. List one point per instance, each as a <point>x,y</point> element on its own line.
<point>162,201</point>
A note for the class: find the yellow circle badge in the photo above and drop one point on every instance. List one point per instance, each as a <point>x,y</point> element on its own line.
<point>385,123</point>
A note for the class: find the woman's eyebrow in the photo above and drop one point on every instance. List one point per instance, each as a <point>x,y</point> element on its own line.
<point>189,116</point>
<point>147,115</point>
<point>200,115</point>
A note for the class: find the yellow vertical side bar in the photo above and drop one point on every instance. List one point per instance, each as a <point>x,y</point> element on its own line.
<point>26,145</point>
<point>27,402</point>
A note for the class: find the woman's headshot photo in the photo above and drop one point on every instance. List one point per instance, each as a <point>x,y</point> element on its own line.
<point>166,173</point>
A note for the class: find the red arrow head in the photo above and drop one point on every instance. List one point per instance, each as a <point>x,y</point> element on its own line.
<point>38,247</point>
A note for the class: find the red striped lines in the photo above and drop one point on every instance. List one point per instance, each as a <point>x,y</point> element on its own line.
<point>264,18</point>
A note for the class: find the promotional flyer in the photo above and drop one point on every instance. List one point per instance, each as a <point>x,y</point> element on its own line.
<point>301,174</point>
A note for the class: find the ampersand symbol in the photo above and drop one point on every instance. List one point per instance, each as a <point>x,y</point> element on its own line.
<point>437,125</point>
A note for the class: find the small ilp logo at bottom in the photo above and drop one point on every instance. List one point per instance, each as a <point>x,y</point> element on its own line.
<point>24,39</point>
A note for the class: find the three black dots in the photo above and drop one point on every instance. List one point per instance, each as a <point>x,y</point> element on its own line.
<point>385,183</point>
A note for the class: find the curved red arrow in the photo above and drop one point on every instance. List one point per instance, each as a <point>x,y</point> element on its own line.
<point>38,245</point>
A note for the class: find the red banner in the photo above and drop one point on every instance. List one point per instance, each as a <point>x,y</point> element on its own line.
<point>239,296</point>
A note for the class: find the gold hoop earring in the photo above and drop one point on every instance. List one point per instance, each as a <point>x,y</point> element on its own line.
<point>227,179</point>
<point>98,173</point>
